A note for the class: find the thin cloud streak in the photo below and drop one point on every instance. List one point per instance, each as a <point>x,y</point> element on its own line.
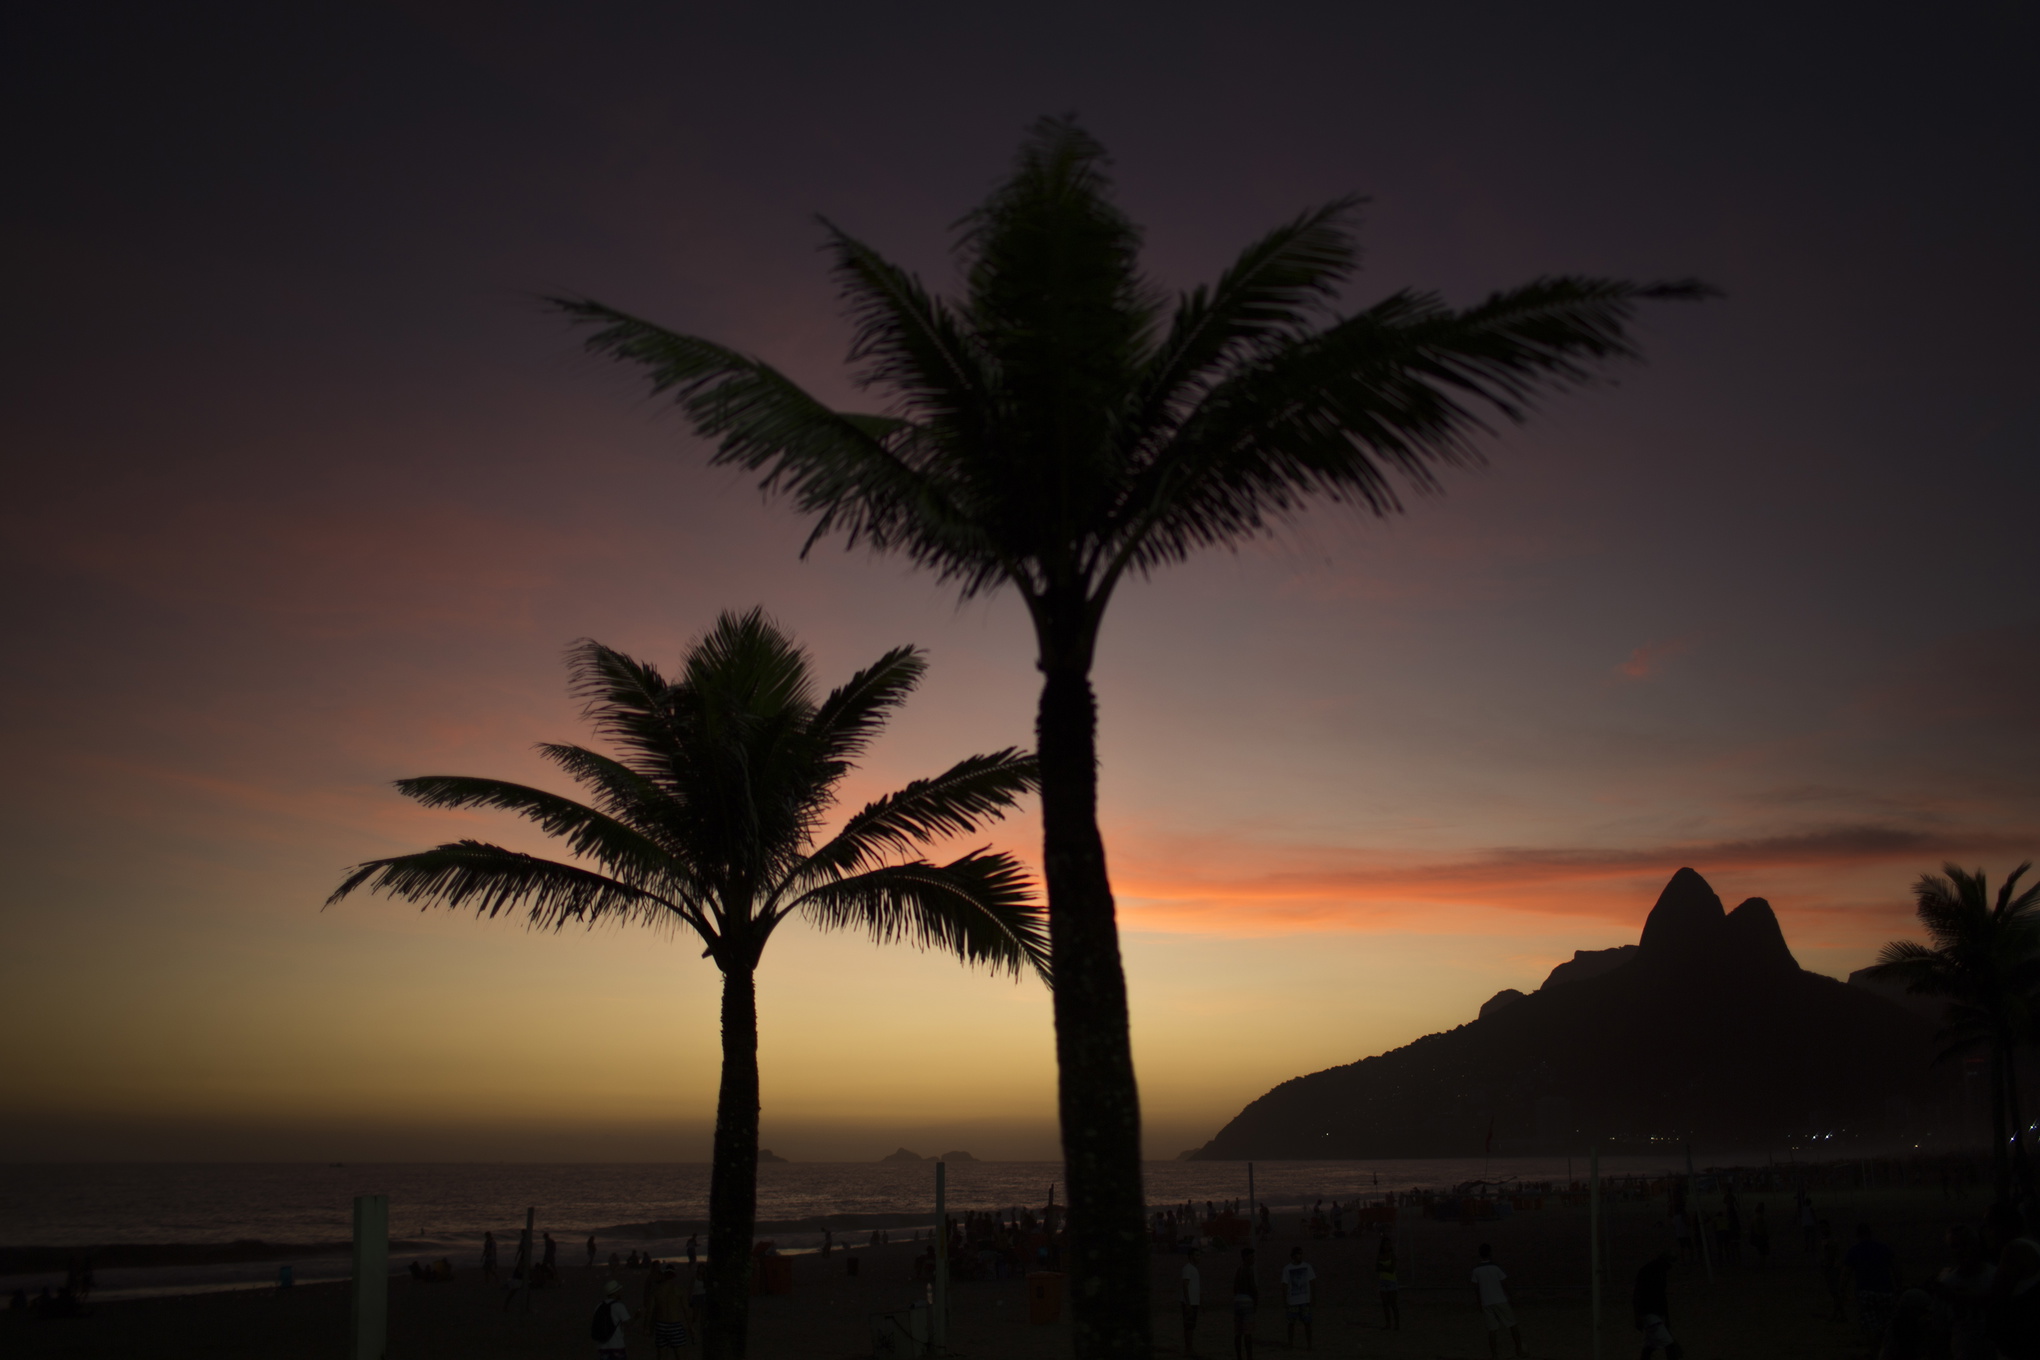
<point>1355,891</point>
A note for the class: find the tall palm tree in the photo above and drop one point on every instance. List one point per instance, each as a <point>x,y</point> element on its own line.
<point>1061,426</point>
<point>1983,959</point>
<point>709,816</point>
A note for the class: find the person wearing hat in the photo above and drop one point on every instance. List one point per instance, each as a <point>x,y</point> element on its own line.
<point>613,1346</point>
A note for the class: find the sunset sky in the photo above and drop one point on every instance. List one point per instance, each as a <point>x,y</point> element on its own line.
<point>306,493</point>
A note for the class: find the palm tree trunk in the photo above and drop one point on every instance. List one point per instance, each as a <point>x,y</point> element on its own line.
<point>2014,1120</point>
<point>733,1180</point>
<point>2001,1161</point>
<point>1106,1254</point>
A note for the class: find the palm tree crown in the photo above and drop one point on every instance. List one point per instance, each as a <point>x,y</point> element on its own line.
<point>1982,957</point>
<point>709,813</point>
<point>1062,423</point>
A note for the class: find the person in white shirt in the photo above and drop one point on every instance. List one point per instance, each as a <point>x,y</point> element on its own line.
<point>1193,1298</point>
<point>1297,1279</point>
<point>615,1346</point>
<point>1494,1302</point>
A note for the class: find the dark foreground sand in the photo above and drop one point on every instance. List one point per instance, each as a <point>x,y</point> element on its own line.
<point>1782,1311</point>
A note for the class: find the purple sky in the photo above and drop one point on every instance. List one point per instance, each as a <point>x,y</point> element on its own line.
<point>306,494</point>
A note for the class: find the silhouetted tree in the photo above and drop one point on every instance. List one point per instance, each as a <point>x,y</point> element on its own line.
<point>1061,426</point>
<point>1983,959</point>
<point>709,816</point>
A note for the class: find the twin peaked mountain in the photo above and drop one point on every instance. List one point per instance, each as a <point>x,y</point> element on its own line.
<point>1707,1030</point>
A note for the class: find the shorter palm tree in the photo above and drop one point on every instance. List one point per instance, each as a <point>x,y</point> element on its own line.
<point>709,816</point>
<point>1983,959</point>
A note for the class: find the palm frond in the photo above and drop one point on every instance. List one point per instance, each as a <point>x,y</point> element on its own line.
<point>620,848</point>
<point>1058,306</point>
<point>1264,297</point>
<point>1391,394</point>
<point>628,701</point>
<point>620,791</point>
<point>969,794</point>
<point>746,664</point>
<point>909,341</point>
<point>846,470</point>
<point>856,711</point>
<point>980,908</point>
<point>492,880</point>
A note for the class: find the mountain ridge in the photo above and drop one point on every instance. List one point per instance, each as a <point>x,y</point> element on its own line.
<point>1706,1029</point>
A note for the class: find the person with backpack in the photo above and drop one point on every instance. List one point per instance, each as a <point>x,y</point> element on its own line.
<point>605,1327</point>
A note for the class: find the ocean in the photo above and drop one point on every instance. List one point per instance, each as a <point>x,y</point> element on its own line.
<point>303,1212</point>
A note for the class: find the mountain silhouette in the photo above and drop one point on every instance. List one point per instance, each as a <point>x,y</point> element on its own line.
<point>1706,1030</point>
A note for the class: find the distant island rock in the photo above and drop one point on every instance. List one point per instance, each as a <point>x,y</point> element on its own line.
<point>956,1157</point>
<point>902,1155</point>
<point>1508,996</point>
<point>768,1155</point>
<point>1705,1030</point>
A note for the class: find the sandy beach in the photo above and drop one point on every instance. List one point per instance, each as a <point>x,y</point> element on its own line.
<point>1781,1310</point>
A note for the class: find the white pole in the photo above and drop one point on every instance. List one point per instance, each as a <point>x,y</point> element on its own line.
<point>371,1276</point>
<point>939,1332</point>
<point>1594,1229</point>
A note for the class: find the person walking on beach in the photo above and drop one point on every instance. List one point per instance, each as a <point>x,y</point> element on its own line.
<point>1831,1272</point>
<point>1298,1279</point>
<point>1494,1303</point>
<point>1193,1298</point>
<point>551,1258</point>
<point>1874,1267</point>
<point>591,1251</point>
<point>614,1346</point>
<point>667,1310</point>
<point>1653,1310</point>
<point>1246,1294</point>
<point>1386,1284</point>
<point>489,1271</point>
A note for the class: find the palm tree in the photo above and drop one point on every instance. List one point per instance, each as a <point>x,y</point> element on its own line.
<point>1060,427</point>
<point>1983,959</point>
<point>709,816</point>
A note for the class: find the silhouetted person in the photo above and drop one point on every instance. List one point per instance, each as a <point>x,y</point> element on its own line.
<point>1831,1272</point>
<point>1760,1237</point>
<point>1964,1288</point>
<point>552,1254</point>
<point>1246,1296</point>
<point>591,1251</point>
<point>694,1239</point>
<point>2014,1309</point>
<point>1387,1286</point>
<point>1913,1333</point>
<point>1809,1226</point>
<point>1192,1300</point>
<point>1494,1303</point>
<point>1874,1269</point>
<point>1299,1279</point>
<point>489,1271</point>
<point>1652,1308</point>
